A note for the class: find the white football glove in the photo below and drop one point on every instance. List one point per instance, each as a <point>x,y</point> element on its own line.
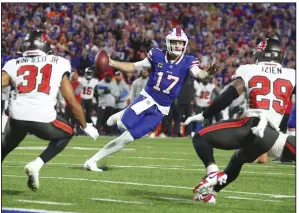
<point>260,128</point>
<point>198,118</point>
<point>91,131</point>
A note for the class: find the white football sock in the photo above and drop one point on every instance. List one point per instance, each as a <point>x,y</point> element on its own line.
<point>113,146</point>
<point>212,168</point>
<point>38,163</point>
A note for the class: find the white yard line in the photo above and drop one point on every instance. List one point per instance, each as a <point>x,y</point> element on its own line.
<point>45,202</point>
<point>262,194</point>
<point>247,198</point>
<point>121,201</point>
<point>69,147</point>
<point>145,158</point>
<point>164,167</point>
<point>175,199</point>
<point>33,210</point>
<point>143,184</point>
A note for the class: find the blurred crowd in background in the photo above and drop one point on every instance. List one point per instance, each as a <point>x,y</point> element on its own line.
<point>225,33</point>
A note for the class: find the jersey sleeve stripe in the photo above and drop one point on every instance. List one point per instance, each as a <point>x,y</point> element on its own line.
<point>149,57</point>
<point>192,65</point>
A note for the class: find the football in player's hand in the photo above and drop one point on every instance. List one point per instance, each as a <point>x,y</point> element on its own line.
<point>101,62</point>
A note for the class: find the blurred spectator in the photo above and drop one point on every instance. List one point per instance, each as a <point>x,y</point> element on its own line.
<point>107,92</point>
<point>138,85</point>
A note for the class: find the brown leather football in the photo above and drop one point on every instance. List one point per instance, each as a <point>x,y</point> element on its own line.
<point>101,62</point>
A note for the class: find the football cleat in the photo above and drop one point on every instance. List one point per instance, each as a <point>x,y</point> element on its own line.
<point>152,135</point>
<point>91,165</point>
<point>33,176</point>
<point>207,184</point>
<point>206,198</point>
<point>162,135</point>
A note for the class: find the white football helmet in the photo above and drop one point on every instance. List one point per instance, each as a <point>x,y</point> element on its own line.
<point>176,34</point>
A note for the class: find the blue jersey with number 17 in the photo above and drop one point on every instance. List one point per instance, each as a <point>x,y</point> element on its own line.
<point>166,79</point>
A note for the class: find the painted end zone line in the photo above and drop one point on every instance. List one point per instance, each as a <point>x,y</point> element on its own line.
<point>121,201</point>
<point>21,210</point>
<point>247,198</point>
<point>45,202</point>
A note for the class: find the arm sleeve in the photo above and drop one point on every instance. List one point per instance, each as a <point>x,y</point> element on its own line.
<point>241,73</point>
<point>142,65</point>
<point>198,73</point>
<point>221,102</point>
<point>65,68</point>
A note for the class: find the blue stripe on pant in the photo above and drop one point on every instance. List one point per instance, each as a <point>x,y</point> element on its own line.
<point>145,122</point>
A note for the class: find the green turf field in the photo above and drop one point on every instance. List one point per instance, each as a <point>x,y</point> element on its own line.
<point>149,175</point>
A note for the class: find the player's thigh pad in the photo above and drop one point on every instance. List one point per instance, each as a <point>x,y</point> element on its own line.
<point>129,118</point>
<point>55,130</point>
<point>258,146</point>
<point>148,123</point>
<point>229,134</point>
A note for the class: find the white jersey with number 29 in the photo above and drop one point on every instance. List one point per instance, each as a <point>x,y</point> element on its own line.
<point>268,89</point>
<point>37,80</point>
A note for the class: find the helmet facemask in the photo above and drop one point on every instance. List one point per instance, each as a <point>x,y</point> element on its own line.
<point>176,35</point>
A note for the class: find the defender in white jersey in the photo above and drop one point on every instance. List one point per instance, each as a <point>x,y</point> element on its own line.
<point>268,87</point>
<point>89,83</point>
<point>37,77</point>
<point>203,94</point>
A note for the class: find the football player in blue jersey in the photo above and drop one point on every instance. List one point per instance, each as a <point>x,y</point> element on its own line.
<point>170,68</point>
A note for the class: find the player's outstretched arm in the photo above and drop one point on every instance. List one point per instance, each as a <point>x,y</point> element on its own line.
<point>122,66</point>
<point>5,79</point>
<point>131,67</point>
<point>69,96</point>
<point>220,102</point>
<point>225,98</point>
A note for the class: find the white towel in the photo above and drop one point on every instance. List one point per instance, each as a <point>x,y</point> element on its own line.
<point>142,105</point>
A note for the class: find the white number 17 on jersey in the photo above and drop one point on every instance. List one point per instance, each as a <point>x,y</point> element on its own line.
<point>169,77</point>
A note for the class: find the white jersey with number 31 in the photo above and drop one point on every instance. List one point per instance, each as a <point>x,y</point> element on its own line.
<point>37,81</point>
<point>268,89</point>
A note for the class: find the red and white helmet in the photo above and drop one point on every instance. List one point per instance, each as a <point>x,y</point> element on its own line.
<point>176,34</point>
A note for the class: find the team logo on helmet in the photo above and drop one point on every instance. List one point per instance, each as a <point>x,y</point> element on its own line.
<point>261,46</point>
